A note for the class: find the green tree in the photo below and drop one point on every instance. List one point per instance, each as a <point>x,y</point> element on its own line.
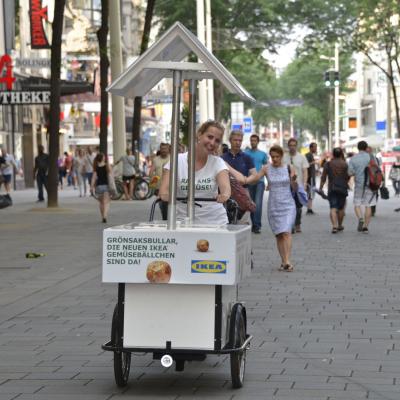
<point>54,114</point>
<point>377,36</point>
<point>241,33</point>
<point>303,79</point>
<point>102,35</point>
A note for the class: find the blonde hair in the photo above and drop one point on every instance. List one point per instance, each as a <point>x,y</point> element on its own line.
<point>208,124</point>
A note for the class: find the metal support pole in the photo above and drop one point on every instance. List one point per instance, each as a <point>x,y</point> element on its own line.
<point>118,104</point>
<point>191,150</point>
<point>210,82</point>
<point>173,172</point>
<point>389,107</point>
<point>280,133</point>
<point>359,75</point>
<point>337,132</point>
<point>201,34</point>
<point>13,144</point>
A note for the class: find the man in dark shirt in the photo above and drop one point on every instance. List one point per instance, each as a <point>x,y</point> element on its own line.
<point>239,160</point>
<point>311,176</point>
<point>40,171</point>
<point>336,171</point>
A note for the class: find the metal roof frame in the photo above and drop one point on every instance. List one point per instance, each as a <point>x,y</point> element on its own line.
<point>167,54</point>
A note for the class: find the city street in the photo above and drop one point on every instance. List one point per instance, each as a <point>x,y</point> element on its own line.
<point>328,331</point>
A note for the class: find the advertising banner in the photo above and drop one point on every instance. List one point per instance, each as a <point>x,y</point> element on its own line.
<point>37,15</point>
<point>184,256</point>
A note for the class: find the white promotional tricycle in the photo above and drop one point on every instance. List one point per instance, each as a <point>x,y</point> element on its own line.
<point>177,280</point>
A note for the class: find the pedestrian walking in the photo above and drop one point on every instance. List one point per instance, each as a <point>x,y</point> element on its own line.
<point>40,171</point>
<point>89,159</point>
<point>211,177</point>
<point>364,197</point>
<point>300,165</point>
<point>241,162</point>
<point>257,189</point>
<point>281,208</point>
<point>311,174</point>
<point>68,168</point>
<point>79,166</point>
<point>378,163</point>
<point>336,171</point>
<point>128,173</point>
<point>8,170</point>
<point>100,184</point>
<point>156,170</point>
<point>394,176</point>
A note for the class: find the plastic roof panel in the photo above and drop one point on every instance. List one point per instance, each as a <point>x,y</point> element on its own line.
<point>174,45</point>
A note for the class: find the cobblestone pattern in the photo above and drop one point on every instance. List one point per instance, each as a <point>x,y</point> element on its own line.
<point>328,331</point>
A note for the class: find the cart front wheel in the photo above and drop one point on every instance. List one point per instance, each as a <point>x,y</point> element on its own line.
<point>238,337</point>
<point>122,360</point>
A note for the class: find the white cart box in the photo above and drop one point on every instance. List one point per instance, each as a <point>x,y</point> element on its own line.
<point>149,253</point>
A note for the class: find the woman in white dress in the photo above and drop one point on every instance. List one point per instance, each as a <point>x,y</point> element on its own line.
<point>211,177</point>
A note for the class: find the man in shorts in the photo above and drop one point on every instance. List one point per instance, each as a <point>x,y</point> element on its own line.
<point>336,173</point>
<point>128,173</point>
<point>364,197</point>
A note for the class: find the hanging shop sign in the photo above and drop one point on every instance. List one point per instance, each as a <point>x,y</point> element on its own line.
<point>37,15</point>
<point>6,76</point>
<point>36,63</point>
<point>24,97</point>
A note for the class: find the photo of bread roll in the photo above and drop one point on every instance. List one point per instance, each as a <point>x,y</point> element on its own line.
<point>158,272</point>
<point>202,245</point>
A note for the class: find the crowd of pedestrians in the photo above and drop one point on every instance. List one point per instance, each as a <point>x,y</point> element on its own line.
<point>289,177</point>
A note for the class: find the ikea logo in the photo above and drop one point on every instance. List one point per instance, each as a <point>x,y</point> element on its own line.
<point>208,267</point>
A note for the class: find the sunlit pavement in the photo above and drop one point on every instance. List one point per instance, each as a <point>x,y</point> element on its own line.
<point>328,330</point>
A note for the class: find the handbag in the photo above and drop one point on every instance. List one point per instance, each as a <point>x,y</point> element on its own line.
<point>5,201</point>
<point>241,195</point>
<point>384,192</point>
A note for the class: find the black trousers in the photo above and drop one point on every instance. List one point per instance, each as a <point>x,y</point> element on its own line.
<point>299,208</point>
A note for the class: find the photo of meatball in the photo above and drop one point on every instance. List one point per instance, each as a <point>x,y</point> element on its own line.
<point>158,272</point>
<point>202,245</point>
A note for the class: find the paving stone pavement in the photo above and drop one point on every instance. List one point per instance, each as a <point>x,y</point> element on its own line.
<point>328,331</point>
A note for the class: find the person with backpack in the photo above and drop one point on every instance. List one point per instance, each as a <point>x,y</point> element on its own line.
<point>367,180</point>
<point>336,172</point>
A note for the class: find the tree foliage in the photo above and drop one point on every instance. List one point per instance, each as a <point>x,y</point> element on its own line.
<point>377,36</point>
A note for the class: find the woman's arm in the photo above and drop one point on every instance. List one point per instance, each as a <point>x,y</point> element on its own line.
<point>237,175</point>
<point>163,193</point>
<point>94,179</point>
<point>224,186</point>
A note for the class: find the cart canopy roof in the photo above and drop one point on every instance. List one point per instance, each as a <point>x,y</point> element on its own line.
<point>166,55</point>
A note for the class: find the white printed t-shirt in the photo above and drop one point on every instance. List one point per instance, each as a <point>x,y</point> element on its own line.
<point>206,187</point>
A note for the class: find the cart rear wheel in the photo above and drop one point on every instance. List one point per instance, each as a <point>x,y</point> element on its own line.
<point>142,190</point>
<point>238,337</point>
<point>122,360</point>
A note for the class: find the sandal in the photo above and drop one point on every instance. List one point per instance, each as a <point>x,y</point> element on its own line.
<point>334,230</point>
<point>288,268</point>
<point>340,228</point>
<point>282,267</point>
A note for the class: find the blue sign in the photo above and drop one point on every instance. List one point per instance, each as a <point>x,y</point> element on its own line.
<point>247,125</point>
<point>237,127</point>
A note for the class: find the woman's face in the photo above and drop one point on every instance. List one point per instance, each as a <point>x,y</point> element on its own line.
<point>210,140</point>
<point>276,159</point>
